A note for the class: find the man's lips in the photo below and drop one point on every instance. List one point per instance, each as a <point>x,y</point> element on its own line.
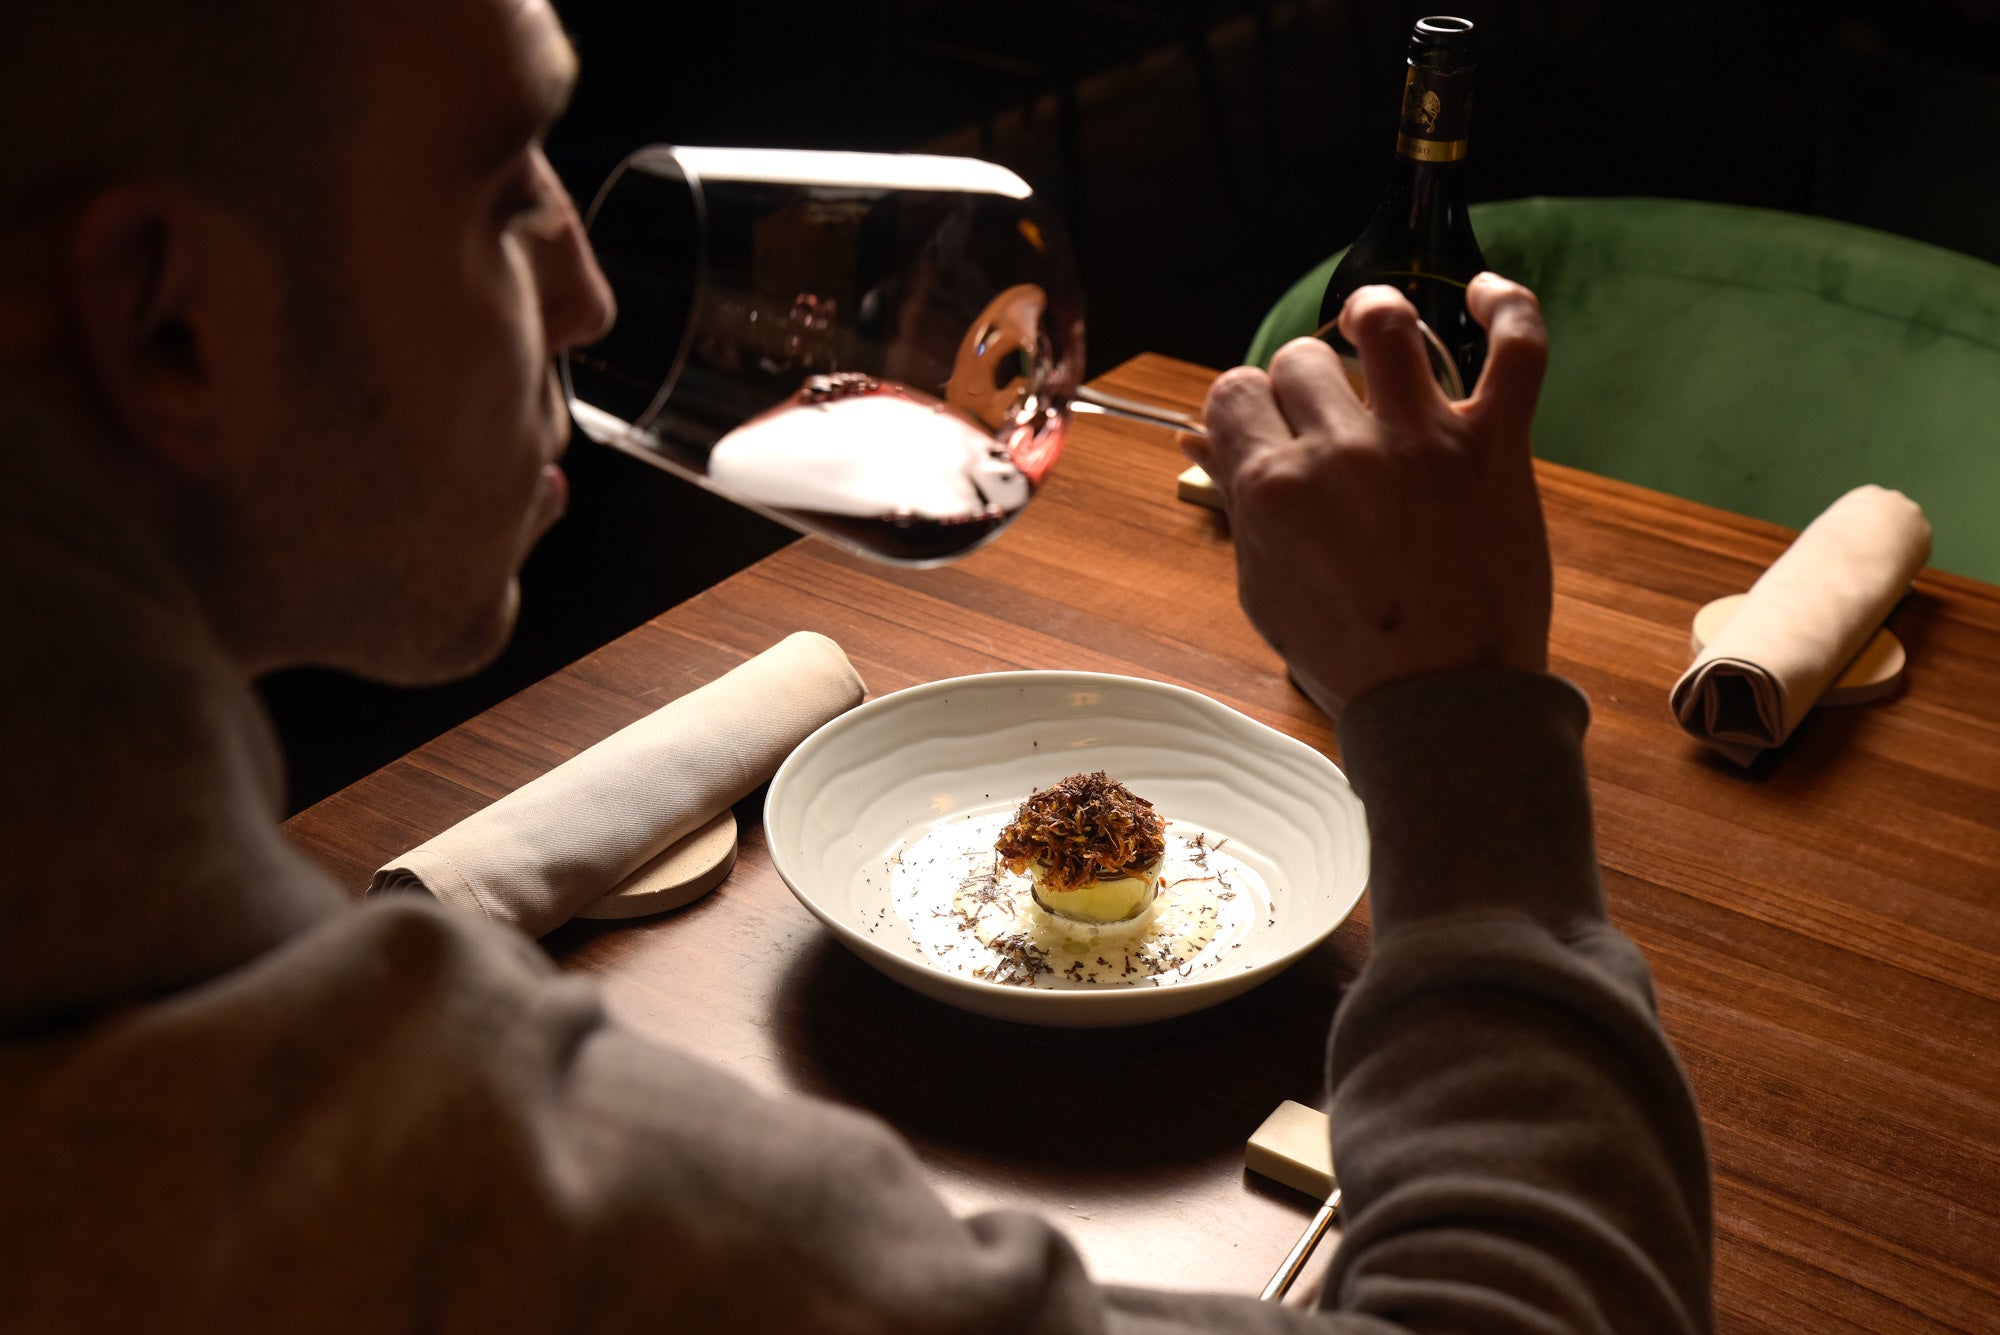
<point>552,486</point>
<point>551,496</point>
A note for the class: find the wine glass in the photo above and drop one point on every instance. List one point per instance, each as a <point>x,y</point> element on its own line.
<point>877,348</point>
<point>881,349</point>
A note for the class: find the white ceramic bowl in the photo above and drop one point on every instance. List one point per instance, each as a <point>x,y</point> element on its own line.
<point>876,779</point>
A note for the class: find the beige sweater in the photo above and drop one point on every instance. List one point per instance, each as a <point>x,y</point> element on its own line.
<point>231,1101</point>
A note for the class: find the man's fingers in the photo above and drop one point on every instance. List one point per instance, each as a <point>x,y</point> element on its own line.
<point>1240,412</point>
<point>1517,353</point>
<point>1380,322</point>
<point>1311,387</point>
<point>1241,405</point>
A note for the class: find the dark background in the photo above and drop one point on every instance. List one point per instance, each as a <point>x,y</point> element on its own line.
<point>1206,152</point>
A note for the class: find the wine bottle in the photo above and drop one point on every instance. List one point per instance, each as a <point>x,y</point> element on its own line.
<point>1420,240</point>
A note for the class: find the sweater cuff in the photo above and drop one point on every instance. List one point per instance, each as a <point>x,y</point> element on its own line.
<point>1477,799</point>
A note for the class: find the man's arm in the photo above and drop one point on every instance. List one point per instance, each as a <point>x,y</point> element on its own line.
<point>1517,1144</point>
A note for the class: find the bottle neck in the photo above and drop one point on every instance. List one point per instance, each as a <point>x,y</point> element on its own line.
<point>1437,117</point>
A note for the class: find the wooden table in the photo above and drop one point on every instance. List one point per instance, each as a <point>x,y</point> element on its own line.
<point>1824,927</point>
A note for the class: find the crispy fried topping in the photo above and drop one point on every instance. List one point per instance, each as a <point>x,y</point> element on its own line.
<point>1082,828</point>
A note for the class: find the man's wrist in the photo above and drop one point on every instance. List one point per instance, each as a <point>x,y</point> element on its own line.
<point>1476,795</point>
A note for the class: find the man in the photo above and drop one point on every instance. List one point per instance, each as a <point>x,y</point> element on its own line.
<point>278,294</point>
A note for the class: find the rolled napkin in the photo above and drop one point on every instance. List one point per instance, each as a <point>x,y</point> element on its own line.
<point>1802,622</point>
<point>557,843</point>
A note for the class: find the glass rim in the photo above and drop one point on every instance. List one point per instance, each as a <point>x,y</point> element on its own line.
<point>647,157</point>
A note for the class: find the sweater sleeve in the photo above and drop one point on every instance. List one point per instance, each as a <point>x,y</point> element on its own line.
<point>1517,1144</point>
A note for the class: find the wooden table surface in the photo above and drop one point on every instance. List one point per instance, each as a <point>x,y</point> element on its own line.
<point>1824,927</point>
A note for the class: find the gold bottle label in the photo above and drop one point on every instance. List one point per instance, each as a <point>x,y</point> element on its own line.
<point>1430,150</point>
<point>1437,109</point>
<point>1421,105</point>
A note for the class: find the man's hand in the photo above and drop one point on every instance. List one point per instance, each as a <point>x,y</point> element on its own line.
<point>1405,537</point>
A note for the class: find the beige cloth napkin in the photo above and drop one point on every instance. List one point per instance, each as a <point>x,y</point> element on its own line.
<point>552,846</point>
<point>1804,620</point>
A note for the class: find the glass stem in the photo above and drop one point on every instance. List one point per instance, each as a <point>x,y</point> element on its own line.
<point>1088,400</point>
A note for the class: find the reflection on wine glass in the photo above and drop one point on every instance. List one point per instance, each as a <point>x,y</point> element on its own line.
<point>878,348</point>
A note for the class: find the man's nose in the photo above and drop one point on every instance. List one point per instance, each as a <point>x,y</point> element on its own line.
<point>577,305</point>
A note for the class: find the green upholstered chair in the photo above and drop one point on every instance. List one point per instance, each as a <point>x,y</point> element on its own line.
<point>1762,362</point>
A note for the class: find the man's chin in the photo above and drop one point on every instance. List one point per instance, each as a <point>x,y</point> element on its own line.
<point>419,659</point>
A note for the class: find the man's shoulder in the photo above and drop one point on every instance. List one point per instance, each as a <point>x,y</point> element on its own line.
<point>392,1079</point>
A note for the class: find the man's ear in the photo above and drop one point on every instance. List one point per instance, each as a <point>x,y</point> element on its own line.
<point>134,289</point>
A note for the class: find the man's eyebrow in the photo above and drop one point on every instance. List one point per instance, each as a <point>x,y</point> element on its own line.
<point>559,84</point>
<point>529,119</point>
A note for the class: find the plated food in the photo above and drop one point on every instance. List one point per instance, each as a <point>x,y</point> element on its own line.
<point>1092,847</point>
<point>974,916</point>
<point>885,823</point>
<point>1086,885</point>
